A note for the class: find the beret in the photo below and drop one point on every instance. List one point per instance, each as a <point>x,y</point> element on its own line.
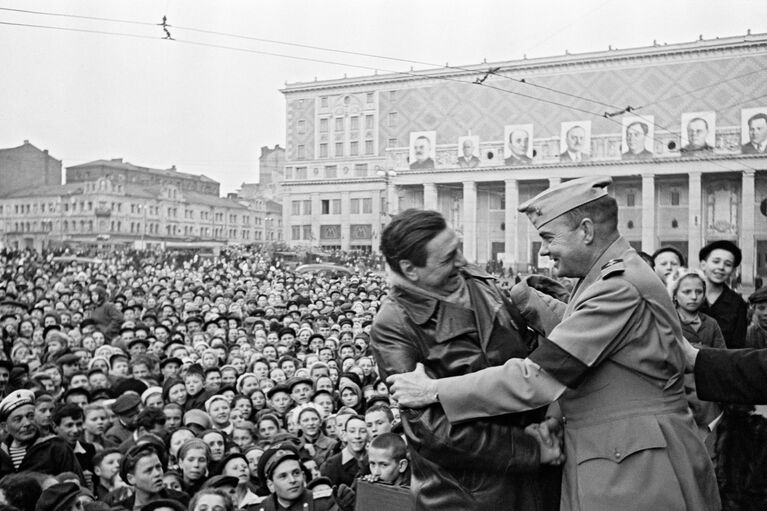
<point>729,246</point>
<point>558,200</point>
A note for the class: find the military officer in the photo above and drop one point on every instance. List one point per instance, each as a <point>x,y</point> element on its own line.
<point>613,360</point>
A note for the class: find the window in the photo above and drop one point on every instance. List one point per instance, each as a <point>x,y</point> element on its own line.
<point>324,125</point>
<point>630,200</point>
<point>300,152</point>
<point>324,150</point>
<point>392,119</point>
<point>339,148</point>
<point>301,127</point>
<point>354,148</point>
<point>369,122</point>
<point>674,198</point>
<point>355,123</point>
<point>324,101</point>
<point>325,206</point>
<point>288,172</point>
<point>369,97</point>
<point>307,234</point>
<point>335,206</point>
<point>300,172</point>
<point>360,170</point>
<point>295,208</point>
<point>339,123</point>
<point>331,171</point>
<point>368,147</point>
<point>295,232</point>
<point>354,206</point>
<point>367,206</point>
<point>307,207</point>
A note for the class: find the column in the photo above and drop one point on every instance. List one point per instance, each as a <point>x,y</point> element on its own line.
<point>746,242</point>
<point>376,219</point>
<point>287,221</point>
<point>430,196</point>
<point>392,199</point>
<point>554,181</point>
<point>315,218</point>
<point>345,222</point>
<point>470,221</point>
<point>695,219</point>
<point>510,236</point>
<point>648,213</point>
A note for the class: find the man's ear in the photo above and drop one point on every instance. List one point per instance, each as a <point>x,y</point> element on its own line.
<point>131,480</point>
<point>408,270</point>
<point>270,485</point>
<point>587,230</point>
<point>402,466</point>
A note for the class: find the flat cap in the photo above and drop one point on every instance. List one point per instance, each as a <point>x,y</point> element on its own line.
<point>58,497</point>
<point>564,197</point>
<point>126,402</point>
<point>758,296</point>
<point>197,417</point>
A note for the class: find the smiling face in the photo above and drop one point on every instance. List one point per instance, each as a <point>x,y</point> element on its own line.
<point>287,481</point>
<point>444,259</point>
<point>565,247</point>
<point>718,266</point>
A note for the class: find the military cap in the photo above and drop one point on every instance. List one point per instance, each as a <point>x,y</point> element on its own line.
<point>126,403</point>
<point>729,246</point>
<point>758,296</point>
<point>14,400</point>
<point>272,458</point>
<point>564,197</point>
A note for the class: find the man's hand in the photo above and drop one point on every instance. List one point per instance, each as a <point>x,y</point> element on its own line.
<point>414,389</point>
<point>550,439</point>
<point>690,354</point>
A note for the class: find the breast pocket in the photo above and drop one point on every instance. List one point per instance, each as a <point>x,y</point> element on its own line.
<point>623,462</point>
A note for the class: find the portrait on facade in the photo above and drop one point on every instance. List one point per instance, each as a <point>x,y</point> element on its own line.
<point>753,130</point>
<point>637,142</point>
<point>698,133</point>
<point>468,151</point>
<point>423,149</point>
<point>518,144</point>
<point>575,141</point>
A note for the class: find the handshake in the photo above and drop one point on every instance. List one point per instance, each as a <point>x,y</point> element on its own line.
<point>550,436</point>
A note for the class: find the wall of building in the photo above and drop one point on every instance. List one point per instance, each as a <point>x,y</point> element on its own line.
<point>25,166</point>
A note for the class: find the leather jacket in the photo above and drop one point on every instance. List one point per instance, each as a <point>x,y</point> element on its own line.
<point>481,464</point>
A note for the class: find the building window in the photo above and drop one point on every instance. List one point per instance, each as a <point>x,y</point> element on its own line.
<point>324,101</point>
<point>391,143</point>
<point>630,200</point>
<point>674,198</point>
<point>331,171</point>
<point>307,232</point>
<point>324,125</point>
<point>354,148</point>
<point>325,207</point>
<point>369,97</point>
<point>295,232</point>
<point>354,207</point>
<point>369,122</point>
<point>339,148</point>
<point>335,206</point>
<point>392,119</point>
<point>323,150</point>
<point>354,123</point>
<point>307,207</point>
<point>339,124</point>
<point>360,170</point>
<point>301,127</point>
<point>368,147</point>
<point>300,172</point>
<point>367,206</point>
<point>295,208</point>
<point>300,152</point>
<point>288,172</point>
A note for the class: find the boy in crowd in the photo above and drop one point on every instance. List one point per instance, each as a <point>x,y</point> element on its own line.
<point>378,420</point>
<point>387,456</point>
<point>106,466</point>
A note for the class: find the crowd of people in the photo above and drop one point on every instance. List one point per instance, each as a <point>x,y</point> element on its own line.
<point>156,381</point>
<point>149,381</point>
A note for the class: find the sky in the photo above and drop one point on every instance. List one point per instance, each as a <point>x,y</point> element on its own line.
<point>208,110</point>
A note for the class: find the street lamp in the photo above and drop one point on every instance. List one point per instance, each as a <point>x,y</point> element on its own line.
<point>387,175</point>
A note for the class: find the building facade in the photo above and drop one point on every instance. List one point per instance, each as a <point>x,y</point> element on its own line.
<point>26,166</point>
<point>680,128</point>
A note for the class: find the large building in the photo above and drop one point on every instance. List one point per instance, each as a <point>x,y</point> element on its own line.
<point>25,166</point>
<point>121,205</point>
<point>680,128</point>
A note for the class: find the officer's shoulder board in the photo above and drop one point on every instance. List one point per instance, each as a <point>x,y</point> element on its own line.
<point>612,267</point>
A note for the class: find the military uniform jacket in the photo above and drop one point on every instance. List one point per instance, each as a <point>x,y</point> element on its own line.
<point>630,440</point>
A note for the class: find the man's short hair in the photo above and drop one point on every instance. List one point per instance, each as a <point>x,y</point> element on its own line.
<point>391,442</point>
<point>643,125</point>
<point>148,418</point>
<point>131,459</point>
<point>407,235</point>
<point>603,212</point>
<point>704,121</point>
<point>66,410</point>
<point>354,416</point>
<point>381,407</point>
<point>423,137</point>
<point>100,455</point>
<point>756,117</point>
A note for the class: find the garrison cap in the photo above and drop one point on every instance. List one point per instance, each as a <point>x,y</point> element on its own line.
<point>564,197</point>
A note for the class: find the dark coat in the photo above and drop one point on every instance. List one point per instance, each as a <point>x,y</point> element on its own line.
<point>732,376</point>
<point>482,464</point>
<point>48,454</point>
<point>730,312</point>
<point>108,320</point>
<point>307,499</point>
<point>340,473</point>
<point>129,502</point>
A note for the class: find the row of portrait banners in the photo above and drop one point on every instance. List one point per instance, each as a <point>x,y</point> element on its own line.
<point>697,136</point>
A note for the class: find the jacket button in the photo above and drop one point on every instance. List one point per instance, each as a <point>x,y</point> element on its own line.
<point>617,455</point>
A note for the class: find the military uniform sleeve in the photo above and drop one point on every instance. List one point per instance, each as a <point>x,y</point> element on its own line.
<point>487,445</point>
<point>731,376</point>
<point>580,341</point>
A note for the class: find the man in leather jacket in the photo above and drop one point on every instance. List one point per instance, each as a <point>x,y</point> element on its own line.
<point>451,318</point>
